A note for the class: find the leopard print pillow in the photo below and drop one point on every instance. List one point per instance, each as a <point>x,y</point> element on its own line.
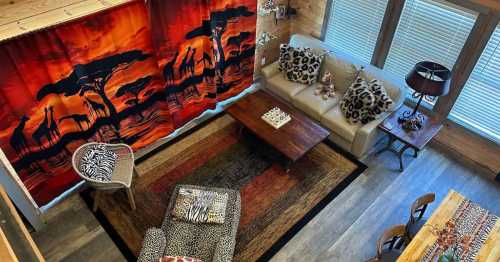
<point>357,101</point>
<point>286,56</point>
<point>383,101</point>
<point>304,67</point>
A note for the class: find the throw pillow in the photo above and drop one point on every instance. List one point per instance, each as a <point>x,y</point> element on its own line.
<point>383,101</point>
<point>357,101</point>
<point>200,206</point>
<point>179,259</point>
<point>98,163</point>
<point>304,68</point>
<point>286,56</point>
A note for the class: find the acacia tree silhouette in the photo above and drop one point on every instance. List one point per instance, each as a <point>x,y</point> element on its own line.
<point>134,88</point>
<point>93,77</point>
<point>216,27</point>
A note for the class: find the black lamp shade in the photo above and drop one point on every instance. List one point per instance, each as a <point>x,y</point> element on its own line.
<point>429,78</point>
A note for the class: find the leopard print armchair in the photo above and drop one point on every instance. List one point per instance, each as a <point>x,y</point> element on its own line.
<point>208,242</point>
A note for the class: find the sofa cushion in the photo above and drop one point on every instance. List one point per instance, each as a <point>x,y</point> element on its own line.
<point>334,120</point>
<point>343,71</point>
<point>312,104</point>
<point>284,88</point>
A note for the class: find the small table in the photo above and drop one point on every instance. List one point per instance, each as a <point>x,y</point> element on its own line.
<point>415,140</point>
<point>293,140</point>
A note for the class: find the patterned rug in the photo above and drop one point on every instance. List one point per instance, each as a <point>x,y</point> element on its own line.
<point>470,221</point>
<point>275,204</point>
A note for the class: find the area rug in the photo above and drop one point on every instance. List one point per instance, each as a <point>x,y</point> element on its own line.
<point>274,204</point>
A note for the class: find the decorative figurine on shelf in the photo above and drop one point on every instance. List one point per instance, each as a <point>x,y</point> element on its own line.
<point>326,88</point>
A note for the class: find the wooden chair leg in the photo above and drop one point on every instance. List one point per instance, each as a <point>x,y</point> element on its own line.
<point>130,198</point>
<point>97,195</point>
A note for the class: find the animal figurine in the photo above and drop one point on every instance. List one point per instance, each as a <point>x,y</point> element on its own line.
<point>326,88</point>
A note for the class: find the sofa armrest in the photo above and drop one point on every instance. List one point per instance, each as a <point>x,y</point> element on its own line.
<point>153,245</point>
<point>367,136</point>
<point>270,70</point>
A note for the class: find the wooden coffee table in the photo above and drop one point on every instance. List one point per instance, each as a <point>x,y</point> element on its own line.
<point>415,140</point>
<point>293,140</point>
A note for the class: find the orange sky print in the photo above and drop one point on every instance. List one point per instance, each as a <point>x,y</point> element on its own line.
<point>110,77</point>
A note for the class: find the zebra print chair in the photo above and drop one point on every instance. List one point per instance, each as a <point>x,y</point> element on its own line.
<point>121,177</point>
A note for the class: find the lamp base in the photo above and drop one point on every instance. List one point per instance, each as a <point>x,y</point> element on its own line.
<point>411,120</point>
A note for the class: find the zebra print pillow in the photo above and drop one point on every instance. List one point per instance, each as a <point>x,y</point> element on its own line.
<point>98,163</point>
<point>200,206</point>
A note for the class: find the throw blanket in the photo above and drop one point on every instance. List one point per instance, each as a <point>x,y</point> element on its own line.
<point>471,226</point>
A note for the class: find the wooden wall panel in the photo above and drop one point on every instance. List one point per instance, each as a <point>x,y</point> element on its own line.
<point>24,16</point>
<point>281,30</point>
<point>310,17</point>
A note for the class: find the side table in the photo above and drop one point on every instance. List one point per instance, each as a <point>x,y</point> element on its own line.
<point>414,139</point>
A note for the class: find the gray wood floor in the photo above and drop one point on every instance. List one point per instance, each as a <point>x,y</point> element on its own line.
<point>346,230</point>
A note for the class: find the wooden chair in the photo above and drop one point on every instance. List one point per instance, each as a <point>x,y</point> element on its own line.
<point>388,244</point>
<point>122,173</point>
<point>417,211</point>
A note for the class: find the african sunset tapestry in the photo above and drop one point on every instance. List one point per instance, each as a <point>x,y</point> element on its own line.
<point>111,77</point>
<point>211,43</point>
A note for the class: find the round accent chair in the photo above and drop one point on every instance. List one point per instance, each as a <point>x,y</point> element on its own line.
<point>121,174</point>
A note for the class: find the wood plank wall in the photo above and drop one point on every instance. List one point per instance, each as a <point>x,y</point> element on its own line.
<point>281,30</point>
<point>310,16</point>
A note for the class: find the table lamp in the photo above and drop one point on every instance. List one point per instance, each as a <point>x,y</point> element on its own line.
<point>430,80</point>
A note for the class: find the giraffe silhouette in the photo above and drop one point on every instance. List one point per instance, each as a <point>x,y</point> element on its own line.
<point>183,66</point>
<point>235,54</point>
<point>206,59</point>
<point>168,69</point>
<point>43,130</point>
<point>18,140</point>
<point>78,119</point>
<point>95,107</point>
<point>54,130</point>
<point>190,63</point>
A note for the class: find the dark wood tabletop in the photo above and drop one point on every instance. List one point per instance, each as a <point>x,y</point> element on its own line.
<point>417,139</point>
<point>294,139</point>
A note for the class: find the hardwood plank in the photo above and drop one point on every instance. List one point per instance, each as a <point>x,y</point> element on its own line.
<point>432,171</point>
<point>6,252</point>
<point>15,232</point>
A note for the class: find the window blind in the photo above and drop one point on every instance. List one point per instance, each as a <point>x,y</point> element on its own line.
<point>478,106</point>
<point>354,25</point>
<point>428,30</point>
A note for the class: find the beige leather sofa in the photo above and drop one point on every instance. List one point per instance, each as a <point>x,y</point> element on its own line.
<point>357,139</point>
